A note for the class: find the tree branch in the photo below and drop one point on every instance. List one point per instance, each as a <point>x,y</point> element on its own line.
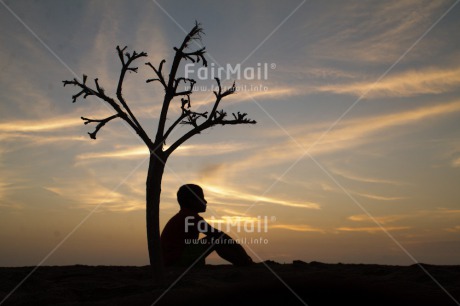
<point>101,123</point>
<point>198,54</point>
<point>159,74</point>
<point>239,118</point>
<point>192,118</point>
<point>185,105</point>
<point>85,91</point>
<point>88,91</point>
<point>99,92</point>
<point>196,130</point>
<point>192,83</point>
<point>216,117</point>
<point>219,96</point>
<point>171,87</point>
<point>126,67</point>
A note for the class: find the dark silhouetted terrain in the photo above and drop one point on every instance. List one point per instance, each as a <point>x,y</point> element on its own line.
<point>315,283</point>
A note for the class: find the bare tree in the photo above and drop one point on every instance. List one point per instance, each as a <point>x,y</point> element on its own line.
<point>174,88</point>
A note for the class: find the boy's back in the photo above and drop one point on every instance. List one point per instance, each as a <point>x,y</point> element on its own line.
<point>174,235</point>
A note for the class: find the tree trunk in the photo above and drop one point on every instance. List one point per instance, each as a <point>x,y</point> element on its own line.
<point>153,192</point>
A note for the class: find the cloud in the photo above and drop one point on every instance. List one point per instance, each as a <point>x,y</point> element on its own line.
<point>456,162</point>
<point>52,124</point>
<point>184,150</point>
<point>367,194</point>
<point>439,213</point>
<point>213,172</point>
<point>91,193</point>
<point>298,228</point>
<point>346,135</point>
<point>454,229</point>
<point>204,97</point>
<point>40,139</point>
<point>10,181</point>
<point>123,25</point>
<point>228,195</point>
<point>40,132</point>
<point>406,84</point>
<point>374,229</point>
<point>100,59</point>
<point>379,197</point>
<point>364,179</point>
<point>210,149</point>
<point>381,220</point>
<point>272,92</point>
<point>373,32</point>
<point>3,188</point>
<point>130,195</point>
<point>121,191</point>
<point>26,81</point>
<point>133,152</point>
<point>327,73</point>
<point>233,219</point>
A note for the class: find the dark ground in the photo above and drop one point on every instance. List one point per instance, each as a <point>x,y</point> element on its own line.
<point>314,283</point>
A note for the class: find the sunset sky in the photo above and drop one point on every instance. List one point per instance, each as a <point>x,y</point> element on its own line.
<point>355,156</point>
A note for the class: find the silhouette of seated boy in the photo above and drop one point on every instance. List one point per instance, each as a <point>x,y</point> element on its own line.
<point>179,239</point>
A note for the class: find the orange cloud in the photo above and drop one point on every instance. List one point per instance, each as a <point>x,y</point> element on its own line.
<point>456,162</point>
<point>454,229</point>
<point>298,228</point>
<point>132,152</point>
<point>39,126</point>
<point>379,197</point>
<point>91,195</point>
<point>184,150</point>
<point>381,220</point>
<point>229,195</point>
<point>374,229</point>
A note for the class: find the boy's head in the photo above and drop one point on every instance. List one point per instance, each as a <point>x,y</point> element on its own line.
<point>191,196</point>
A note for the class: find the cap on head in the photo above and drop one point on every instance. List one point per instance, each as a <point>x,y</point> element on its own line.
<point>191,196</point>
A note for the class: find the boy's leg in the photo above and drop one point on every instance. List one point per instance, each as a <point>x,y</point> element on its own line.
<point>226,247</point>
<point>232,251</point>
<point>198,251</point>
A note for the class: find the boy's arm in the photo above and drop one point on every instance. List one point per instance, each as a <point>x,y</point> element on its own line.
<point>210,231</point>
